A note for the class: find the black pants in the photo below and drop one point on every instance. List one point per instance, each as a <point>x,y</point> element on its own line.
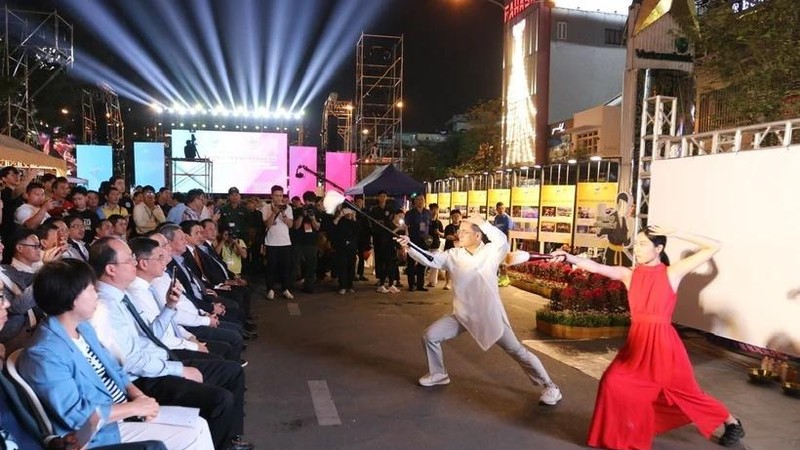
<point>223,335</point>
<point>345,260</point>
<point>307,256</point>
<point>416,274</point>
<point>361,262</point>
<point>220,397</point>
<point>278,266</point>
<point>384,256</point>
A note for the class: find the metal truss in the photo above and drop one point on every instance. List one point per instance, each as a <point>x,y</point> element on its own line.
<point>784,133</point>
<point>89,117</point>
<point>342,110</point>
<point>32,42</point>
<point>659,116</point>
<point>379,99</point>
<point>115,129</point>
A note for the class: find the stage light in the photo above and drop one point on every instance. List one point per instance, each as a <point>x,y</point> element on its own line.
<point>365,131</point>
<point>64,111</point>
<point>204,125</point>
<point>348,107</point>
<point>223,127</point>
<point>181,124</point>
<point>399,104</point>
<point>216,126</point>
<point>237,127</point>
<point>244,127</point>
<point>257,127</point>
<point>298,115</point>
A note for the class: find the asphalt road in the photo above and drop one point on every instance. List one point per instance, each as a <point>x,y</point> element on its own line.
<point>336,371</point>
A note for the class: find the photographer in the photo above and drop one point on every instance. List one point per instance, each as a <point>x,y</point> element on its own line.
<point>345,245</point>
<point>305,234</point>
<point>231,248</point>
<point>277,220</point>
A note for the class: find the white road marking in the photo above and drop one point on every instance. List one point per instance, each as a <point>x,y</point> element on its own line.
<point>324,407</point>
<point>294,308</point>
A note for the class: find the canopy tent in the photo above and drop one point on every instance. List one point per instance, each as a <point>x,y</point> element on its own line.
<point>387,178</point>
<point>19,154</point>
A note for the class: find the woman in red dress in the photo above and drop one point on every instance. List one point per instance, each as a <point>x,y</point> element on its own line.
<point>650,387</point>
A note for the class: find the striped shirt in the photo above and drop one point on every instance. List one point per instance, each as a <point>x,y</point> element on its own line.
<point>117,394</point>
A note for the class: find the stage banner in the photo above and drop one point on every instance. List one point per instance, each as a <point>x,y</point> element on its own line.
<point>340,168</point>
<point>524,212</point>
<point>596,210</point>
<point>306,156</point>
<point>498,195</point>
<point>458,200</point>
<point>148,163</point>
<point>558,215</point>
<point>476,203</point>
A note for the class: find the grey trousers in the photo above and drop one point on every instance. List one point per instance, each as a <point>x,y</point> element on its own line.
<point>449,327</point>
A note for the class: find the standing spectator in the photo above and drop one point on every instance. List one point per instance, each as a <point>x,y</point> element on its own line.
<point>60,194</point>
<point>502,220</point>
<point>234,214</point>
<point>112,205</point>
<point>47,181</point>
<point>165,199</point>
<point>451,239</point>
<point>125,197</point>
<point>363,237</point>
<point>254,237</point>
<point>306,232</point>
<point>195,203</point>
<point>418,221</point>
<point>175,214</point>
<point>148,214</point>
<point>437,232</point>
<point>12,196</point>
<point>231,249</point>
<point>92,200</point>
<point>382,239</point>
<point>36,208</point>
<point>343,238</point>
<point>82,209</point>
<point>277,220</point>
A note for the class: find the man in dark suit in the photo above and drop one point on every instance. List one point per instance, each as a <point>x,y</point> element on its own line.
<point>217,270</point>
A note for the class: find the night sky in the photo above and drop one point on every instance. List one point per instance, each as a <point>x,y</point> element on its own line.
<point>453,56</point>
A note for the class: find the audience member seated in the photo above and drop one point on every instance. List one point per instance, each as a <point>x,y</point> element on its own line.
<point>77,230</point>
<point>103,229</point>
<point>147,215</point>
<point>52,246</point>
<point>119,226</point>
<point>216,387</point>
<point>81,208</point>
<point>74,376</point>
<point>25,259</point>
<point>35,209</point>
<point>112,205</point>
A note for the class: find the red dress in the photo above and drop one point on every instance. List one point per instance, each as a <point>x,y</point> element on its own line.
<point>650,388</point>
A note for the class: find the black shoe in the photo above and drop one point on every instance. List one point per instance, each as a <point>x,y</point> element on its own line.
<point>411,289</point>
<point>248,335</point>
<point>732,435</point>
<point>423,289</point>
<point>244,347</point>
<point>362,278</point>
<point>238,443</point>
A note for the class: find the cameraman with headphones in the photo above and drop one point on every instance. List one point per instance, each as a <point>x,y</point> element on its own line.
<point>305,233</point>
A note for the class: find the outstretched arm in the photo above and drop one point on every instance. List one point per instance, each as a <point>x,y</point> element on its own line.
<point>614,272</point>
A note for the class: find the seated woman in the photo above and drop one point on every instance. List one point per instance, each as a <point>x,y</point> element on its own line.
<point>74,375</point>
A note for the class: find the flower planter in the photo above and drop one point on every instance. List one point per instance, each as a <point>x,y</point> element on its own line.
<point>570,332</point>
<point>534,288</point>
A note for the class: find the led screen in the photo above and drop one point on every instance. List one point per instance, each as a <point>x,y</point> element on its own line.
<point>253,162</point>
<point>340,167</point>
<point>306,156</point>
<point>148,161</point>
<point>95,164</point>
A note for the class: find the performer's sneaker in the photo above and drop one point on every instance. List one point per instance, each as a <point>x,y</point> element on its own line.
<point>393,290</point>
<point>288,295</point>
<point>551,395</point>
<point>383,289</point>
<point>270,295</point>
<point>732,435</point>
<point>436,379</point>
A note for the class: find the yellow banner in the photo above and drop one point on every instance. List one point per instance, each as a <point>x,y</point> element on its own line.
<point>495,196</point>
<point>476,203</point>
<point>458,200</point>
<point>596,205</point>
<point>524,212</point>
<point>432,198</point>
<point>444,204</point>
<point>557,215</point>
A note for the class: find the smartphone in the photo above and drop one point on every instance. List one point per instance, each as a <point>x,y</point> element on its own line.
<point>172,281</point>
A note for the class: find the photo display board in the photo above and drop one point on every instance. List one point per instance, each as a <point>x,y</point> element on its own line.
<point>595,214</point>
<point>476,203</point>
<point>525,212</point>
<point>557,214</point>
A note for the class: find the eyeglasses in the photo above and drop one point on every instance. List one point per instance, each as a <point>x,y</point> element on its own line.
<point>133,260</point>
<point>35,246</point>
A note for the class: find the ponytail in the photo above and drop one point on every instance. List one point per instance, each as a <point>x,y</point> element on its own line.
<point>658,239</point>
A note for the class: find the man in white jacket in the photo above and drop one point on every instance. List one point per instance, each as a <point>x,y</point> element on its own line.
<point>477,307</point>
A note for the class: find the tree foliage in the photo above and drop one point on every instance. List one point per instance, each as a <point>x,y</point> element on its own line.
<point>479,149</point>
<point>754,53</point>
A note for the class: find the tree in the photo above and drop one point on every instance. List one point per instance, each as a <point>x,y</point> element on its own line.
<point>753,52</point>
<point>479,146</point>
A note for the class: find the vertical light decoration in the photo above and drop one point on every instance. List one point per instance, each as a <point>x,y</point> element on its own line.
<point>520,116</point>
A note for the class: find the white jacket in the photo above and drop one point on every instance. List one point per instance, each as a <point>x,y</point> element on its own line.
<point>476,302</point>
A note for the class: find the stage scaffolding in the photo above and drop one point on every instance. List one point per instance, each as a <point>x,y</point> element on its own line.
<point>32,42</point>
<point>89,118</point>
<point>379,101</point>
<point>115,129</point>
<point>342,111</point>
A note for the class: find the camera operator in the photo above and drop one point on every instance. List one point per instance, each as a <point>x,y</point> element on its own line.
<point>305,233</point>
<point>190,150</point>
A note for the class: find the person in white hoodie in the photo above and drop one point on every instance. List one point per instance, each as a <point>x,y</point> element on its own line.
<point>477,307</point>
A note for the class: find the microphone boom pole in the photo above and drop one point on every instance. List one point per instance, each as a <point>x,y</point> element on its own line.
<point>342,200</point>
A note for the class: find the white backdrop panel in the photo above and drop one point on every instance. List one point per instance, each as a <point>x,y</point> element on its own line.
<point>749,201</point>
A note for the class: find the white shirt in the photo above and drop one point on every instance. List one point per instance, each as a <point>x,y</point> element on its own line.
<point>160,318</point>
<point>187,314</point>
<point>476,302</point>
<point>147,219</point>
<point>277,233</point>
<point>25,212</point>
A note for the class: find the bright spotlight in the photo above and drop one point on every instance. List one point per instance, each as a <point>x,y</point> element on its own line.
<point>399,104</point>
<point>298,115</point>
<point>64,111</point>
<point>365,131</point>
